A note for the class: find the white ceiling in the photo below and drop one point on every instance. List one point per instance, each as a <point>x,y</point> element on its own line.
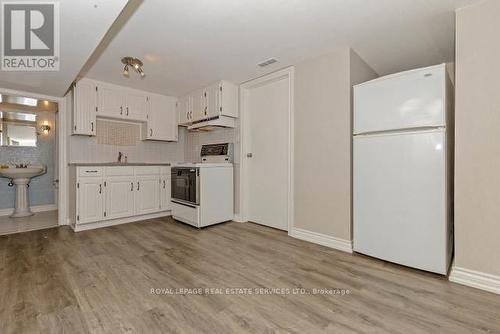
<point>186,44</point>
<point>83,24</point>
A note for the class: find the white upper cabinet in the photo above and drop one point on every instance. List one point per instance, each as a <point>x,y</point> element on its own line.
<point>84,108</point>
<point>135,105</point>
<point>198,109</point>
<point>184,109</point>
<point>212,98</point>
<point>161,118</point>
<point>121,103</point>
<point>218,99</point>
<point>158,113</point>
<point>110,101</point>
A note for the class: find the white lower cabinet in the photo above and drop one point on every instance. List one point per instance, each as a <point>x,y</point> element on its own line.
<point>105,196</point>
<point>120,197</point>
<point>147,196</point>
<point>165,189</point>
<point>90,200</point>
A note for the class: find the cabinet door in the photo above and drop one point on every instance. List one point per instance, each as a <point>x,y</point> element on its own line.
<point>119,197</point>
<point>147,195</point>
<point>110,101</point>
<point>199,104</point>
<point>135,105</point>
<point>165,193</point>
<point>90,200</point>
<point>213,99</point>
<point>168,119</point>
<point>162,118</point>
<point>228,104</point>
<point>84,108</point>
<point>184,109</point>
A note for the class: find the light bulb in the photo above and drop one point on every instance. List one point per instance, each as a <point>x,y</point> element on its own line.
<point>125,70</point>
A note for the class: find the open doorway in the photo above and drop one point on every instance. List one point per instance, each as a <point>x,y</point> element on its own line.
<point>30,145</point>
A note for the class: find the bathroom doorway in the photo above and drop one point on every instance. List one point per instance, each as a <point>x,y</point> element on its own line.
<point>31,142</point>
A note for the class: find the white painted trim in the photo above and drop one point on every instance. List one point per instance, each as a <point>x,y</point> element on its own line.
<point>113,222</point>
<point>322,239</point>
<point>63,118</point>
<point>288,72</point>
<point>238,219</point>
<point>35,208</point>
<point>62,128</point>
<point>475,279</point>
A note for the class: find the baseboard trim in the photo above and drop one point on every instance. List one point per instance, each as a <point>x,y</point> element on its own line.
<point>238,219</point>
<point>322,239</point>
<point>119,221</point>
<point>34,208</point>
<point>475,279</point>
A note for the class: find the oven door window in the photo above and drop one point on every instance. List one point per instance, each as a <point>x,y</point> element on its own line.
<point>184,185</point>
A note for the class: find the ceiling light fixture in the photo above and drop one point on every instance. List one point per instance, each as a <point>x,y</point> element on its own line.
<point>135,63</point>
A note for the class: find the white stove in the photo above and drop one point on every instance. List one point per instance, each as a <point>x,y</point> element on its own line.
<point>202,192</point>
<point>202,164</point>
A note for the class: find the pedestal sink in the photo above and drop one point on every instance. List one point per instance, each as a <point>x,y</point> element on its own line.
<point>21,178</point>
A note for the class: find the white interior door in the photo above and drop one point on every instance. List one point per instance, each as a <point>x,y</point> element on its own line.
<point>266,149</point>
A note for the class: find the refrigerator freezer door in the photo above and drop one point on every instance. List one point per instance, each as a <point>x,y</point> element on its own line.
<point>401,101</point>
<point>399,198</point>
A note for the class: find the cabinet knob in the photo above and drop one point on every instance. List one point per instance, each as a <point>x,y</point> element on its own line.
<point>121,110</point>
<point>249,155</point>
<point>127,111</point>
<point>151,132</point>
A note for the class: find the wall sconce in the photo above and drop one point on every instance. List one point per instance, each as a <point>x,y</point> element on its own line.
<point>45,127</point>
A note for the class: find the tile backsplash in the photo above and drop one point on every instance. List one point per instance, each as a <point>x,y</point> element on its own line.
<point>194,141</point>
<point>117,133</point>
<point>92,149</point>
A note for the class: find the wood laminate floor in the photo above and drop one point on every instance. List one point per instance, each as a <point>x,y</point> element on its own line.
<point>100,281</point>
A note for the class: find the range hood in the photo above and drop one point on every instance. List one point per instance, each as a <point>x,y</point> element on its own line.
<point>213,123</point>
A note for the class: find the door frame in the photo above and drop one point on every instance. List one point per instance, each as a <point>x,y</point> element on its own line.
<point>62,120</point>
<point>288,73</point>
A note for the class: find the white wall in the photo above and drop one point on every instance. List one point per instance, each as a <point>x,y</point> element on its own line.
<point>477,138</point>
<point>323,133</point>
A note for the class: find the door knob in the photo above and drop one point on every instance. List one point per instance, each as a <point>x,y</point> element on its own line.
<point>249,155</point>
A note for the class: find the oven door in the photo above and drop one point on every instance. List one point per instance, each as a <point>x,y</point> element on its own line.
<point>186,185</point>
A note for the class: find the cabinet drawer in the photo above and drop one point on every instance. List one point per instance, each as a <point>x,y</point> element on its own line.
<point>120,171</point>
<point>90,171</point>
<point>147,170</point>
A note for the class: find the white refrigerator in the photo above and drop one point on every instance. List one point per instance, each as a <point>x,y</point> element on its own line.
<point>403,168</point>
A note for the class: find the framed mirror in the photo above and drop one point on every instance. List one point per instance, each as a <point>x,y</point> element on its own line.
<point>17,129</point>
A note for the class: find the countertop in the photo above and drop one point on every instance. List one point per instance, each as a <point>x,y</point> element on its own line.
<point>114,164</point>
